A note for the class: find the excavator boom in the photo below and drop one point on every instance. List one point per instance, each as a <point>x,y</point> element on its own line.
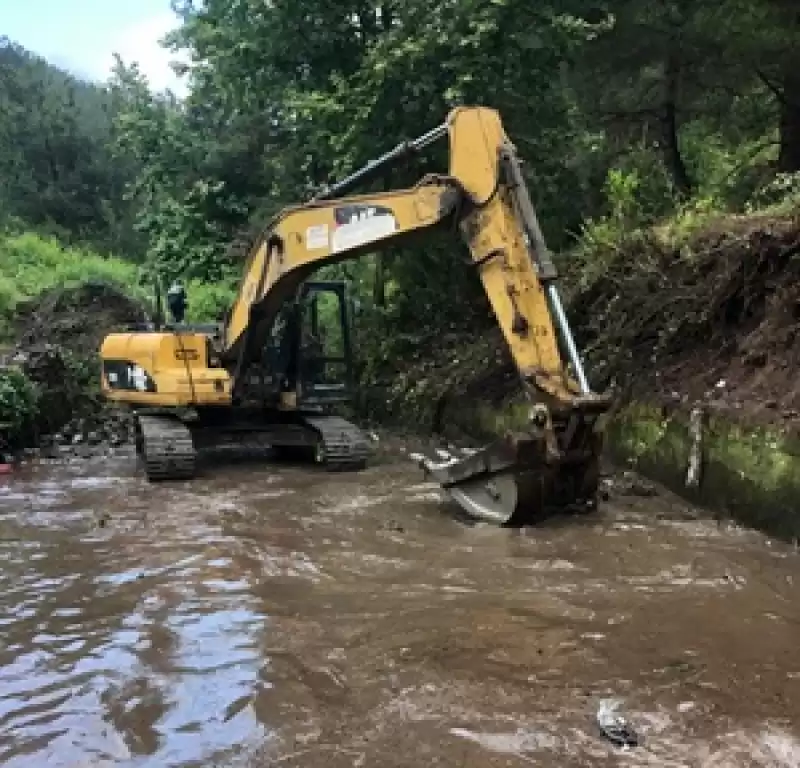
<point>485,193</point>
<point>553,462</point>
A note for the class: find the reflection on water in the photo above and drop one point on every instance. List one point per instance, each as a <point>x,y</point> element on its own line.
<point>273,613</point>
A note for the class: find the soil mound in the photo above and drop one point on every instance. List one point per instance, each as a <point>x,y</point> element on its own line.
<point>75,318</point>
<point>58,336</point>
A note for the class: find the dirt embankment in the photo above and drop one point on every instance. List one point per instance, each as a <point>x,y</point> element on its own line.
<point>75,318</point>
<point>715,319</point>
<point>56,341</point>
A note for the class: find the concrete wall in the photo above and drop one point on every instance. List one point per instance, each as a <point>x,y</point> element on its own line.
<point>751,475</point>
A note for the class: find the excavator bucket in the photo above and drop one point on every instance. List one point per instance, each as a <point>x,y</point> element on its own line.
<point>518,480</point>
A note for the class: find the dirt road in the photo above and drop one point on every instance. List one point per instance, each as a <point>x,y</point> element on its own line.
<point>267,616</point>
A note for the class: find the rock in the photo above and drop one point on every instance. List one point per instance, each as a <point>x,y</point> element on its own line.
<point>756,359</point>
<point>615,726</point>
<point>631,484</point>
<point>51,451</point>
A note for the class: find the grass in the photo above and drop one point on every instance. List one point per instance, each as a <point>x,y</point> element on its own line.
<point>31,264</point>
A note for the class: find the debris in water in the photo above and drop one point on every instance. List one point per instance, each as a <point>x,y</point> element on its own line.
<point>631,484</point>
<point>615,726</point>
<point>693,472</point>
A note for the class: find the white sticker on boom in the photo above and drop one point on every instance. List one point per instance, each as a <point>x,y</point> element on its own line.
<point>358,225</point>
<point>317,237</point>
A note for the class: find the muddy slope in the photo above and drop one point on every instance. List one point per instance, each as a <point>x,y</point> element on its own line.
<point>76,318</point>
<point>716,318</point>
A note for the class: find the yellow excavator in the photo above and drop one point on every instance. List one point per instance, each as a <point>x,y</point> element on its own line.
<point>252,376</point>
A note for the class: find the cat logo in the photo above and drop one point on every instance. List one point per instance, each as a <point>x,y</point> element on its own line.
<point>358,225</point>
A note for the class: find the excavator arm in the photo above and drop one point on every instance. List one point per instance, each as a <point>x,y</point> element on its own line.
<point>308,237</point>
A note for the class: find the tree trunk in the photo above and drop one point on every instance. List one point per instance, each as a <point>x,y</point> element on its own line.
<point>789,122</point>
<point>379,284</point>
<point>669,128</point>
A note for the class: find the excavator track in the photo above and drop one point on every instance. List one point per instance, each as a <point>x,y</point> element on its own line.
<point>165,446</point>
<point>343,446</point>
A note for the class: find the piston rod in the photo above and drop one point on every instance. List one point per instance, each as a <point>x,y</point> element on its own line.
<point>373,167</point>
<point>566,335</point>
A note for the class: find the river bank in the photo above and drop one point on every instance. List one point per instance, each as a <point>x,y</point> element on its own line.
<point>51,402</point>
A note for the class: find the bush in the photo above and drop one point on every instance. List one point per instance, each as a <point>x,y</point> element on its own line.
<point>31,264</point>
<point>18,404</point>
<point>208,301</point>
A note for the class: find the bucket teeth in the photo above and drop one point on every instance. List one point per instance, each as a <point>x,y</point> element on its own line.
<point>512,482</point>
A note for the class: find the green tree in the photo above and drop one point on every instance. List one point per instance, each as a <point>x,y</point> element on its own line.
<point>55,156</point>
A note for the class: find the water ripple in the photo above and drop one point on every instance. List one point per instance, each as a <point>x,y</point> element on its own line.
<point>324,621</point>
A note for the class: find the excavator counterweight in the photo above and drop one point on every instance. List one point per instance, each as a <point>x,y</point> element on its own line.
<point>251,377</point>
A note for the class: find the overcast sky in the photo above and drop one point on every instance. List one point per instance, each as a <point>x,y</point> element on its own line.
<point>83,35</point>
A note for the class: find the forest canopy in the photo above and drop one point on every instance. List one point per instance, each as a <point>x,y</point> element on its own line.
<point>625,114</point>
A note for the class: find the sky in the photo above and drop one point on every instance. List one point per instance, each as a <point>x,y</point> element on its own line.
<point>82,36</point>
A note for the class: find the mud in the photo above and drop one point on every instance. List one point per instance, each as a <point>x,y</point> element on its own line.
<point>666,317</point>
<point>278,616</point>
<point>713,316</point>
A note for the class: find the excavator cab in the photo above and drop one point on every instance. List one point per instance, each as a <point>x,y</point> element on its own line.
<point>310,350</point>
<point>325,359</point>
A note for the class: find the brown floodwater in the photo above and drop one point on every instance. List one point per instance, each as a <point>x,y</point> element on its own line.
<point>269,615</point>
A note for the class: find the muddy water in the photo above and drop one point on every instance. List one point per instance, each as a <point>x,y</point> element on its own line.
<point>270,616</point>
